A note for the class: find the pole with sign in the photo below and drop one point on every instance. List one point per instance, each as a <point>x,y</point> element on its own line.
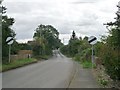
<point>9,41</point>
<point>92,40</point>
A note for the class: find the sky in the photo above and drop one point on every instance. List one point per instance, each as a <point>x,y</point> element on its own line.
<point>85,17</point>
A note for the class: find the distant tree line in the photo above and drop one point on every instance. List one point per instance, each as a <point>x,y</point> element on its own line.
<point>77,47</point>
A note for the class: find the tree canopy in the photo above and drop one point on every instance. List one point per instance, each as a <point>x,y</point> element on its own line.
<point>46,39</point>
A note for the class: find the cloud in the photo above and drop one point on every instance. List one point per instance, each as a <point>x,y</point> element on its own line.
<point>85,17</point>
<point>82,2</point>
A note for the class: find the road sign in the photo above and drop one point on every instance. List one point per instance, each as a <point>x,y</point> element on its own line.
<point>9,40</point>
<point>9,43</point>
<point>92,40</point>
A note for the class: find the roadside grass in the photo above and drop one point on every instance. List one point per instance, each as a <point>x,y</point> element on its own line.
<point>16,64</point>
<point>87,64</point>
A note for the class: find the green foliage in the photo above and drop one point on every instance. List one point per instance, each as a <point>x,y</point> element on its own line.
<point>77,48</point>
<point>65,50</point>
<point>98,47</point>
<point>46,39</point>
<point>84,55</point>
<point>77,57</point>
<point>110,58</point>
<point>103,82</point>
<point>112,63</point>
<point>110,50</point>
<point>23,46</point>
<point>73,46</point>
<point>87,64</point>
<point>15,47</point>
<point>6,32</point>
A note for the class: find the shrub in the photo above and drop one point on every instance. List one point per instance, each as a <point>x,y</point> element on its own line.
<point>103,81</point>
<point>77,57</point>
<point>111,61</point>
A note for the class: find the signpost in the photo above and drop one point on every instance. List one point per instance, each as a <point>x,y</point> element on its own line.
<point>9,41</point>
<point>92,40</point>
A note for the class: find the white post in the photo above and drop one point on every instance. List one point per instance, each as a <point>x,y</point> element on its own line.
<point>9,52</point>
<point>92,56</point>
<point>63,40</point>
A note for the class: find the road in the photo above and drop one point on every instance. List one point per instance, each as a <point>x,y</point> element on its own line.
<point>53,73</point>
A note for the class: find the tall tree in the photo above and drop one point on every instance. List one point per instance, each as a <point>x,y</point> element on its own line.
<point>73,35</point>
<point>6,32</point>
<point>73,44</point>
<point>46,38</point>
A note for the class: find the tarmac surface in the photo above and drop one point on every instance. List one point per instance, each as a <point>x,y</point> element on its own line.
<point>83,78</point>
<point>57,72</point>
<point>53,73</point>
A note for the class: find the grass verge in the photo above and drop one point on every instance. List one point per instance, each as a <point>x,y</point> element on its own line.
<point>17,63</point>
<point>88,64</point>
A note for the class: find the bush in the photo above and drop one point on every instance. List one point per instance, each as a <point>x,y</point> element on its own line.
<point>86,54</point>
<point>65,50</point>
<point>111,61</point>
<point>103,82</point>
<point>77,57</point>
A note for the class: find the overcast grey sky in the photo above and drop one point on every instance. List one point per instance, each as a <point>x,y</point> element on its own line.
<point>85,17</point>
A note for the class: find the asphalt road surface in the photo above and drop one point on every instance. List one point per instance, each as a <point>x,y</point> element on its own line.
<point>53,73</point>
